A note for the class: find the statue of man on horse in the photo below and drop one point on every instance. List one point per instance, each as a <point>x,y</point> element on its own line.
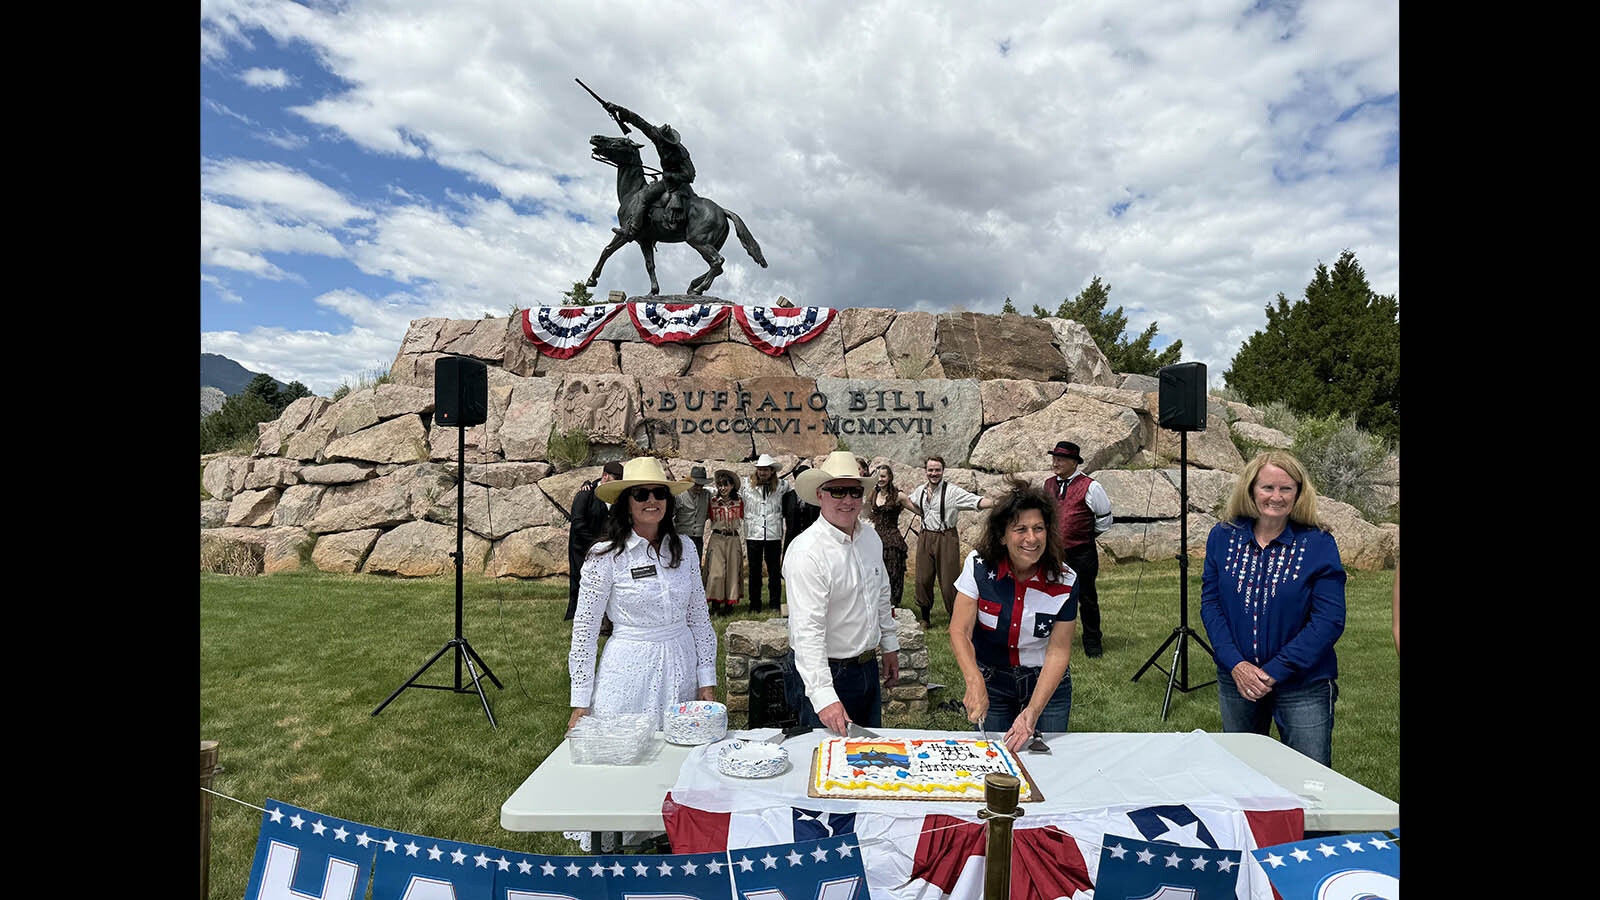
<point>677,173</point>
<point>666,209</point>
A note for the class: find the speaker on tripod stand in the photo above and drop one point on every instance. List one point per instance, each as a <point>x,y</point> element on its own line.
<point>460,399</point>
<point>1183,409</point>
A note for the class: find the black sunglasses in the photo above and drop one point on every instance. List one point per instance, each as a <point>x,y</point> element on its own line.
<point>839,493</point>
<point>641,494</point>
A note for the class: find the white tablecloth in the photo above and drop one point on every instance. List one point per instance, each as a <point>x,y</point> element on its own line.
<point>1082,773</point>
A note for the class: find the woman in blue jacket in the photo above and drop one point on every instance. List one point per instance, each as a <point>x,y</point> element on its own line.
<point>1272,599</point>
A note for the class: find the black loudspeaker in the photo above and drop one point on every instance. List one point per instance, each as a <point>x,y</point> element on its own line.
<point>1183,396</point>
<point>460,392</point>
<point>767,704</point>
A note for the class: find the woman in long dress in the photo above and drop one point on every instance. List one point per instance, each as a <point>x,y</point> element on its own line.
<point>644,577</point>
<point>724,562</point>
<point>883,511</point>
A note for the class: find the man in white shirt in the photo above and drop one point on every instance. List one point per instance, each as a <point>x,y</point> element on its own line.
<point>840,612</point>
<point>762,493</point>
<point>938,502</point>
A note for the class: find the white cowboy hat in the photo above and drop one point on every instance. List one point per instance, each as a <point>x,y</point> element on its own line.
<point>766,462</point>
<point>644,470</point>
<point>840,464</point>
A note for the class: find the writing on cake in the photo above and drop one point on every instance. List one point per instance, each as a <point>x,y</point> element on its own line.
<point>911,769</point>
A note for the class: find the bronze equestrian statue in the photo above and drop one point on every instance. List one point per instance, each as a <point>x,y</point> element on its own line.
<point>666,210</point>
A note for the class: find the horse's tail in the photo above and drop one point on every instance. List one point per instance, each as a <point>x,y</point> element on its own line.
<point>745,237</point>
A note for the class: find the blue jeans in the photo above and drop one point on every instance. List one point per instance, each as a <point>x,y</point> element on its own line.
<point>858,688</point>
<point>1304,714</point>
<point>1010,689</point>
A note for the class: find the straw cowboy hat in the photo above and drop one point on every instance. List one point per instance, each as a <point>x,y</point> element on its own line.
<point>840,464</point>
<point>644,470</point>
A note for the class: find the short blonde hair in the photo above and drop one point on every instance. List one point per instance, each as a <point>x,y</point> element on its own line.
<point>1242,502</point>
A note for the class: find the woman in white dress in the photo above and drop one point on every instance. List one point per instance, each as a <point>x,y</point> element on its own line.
<point>644,577</point>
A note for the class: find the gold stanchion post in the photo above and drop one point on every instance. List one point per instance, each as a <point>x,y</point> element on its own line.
<point>208,769</point>
<point>1000,794</point>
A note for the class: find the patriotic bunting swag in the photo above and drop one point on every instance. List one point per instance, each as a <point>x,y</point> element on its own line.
<point>773,329</point>
<point>561,331</point>
<point>830,856</point>
<point>662,323</point>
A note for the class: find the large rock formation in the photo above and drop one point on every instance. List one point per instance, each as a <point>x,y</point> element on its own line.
<point>369,483</point>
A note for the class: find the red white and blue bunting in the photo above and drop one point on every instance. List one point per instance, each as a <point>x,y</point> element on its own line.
<point>562,331</point>
<point>773,329</point>
<point>663,323</point>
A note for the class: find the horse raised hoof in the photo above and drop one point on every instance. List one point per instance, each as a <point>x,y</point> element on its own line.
<point>593,280</point>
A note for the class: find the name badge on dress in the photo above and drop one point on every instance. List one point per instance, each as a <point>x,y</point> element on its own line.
<point>643,571</point>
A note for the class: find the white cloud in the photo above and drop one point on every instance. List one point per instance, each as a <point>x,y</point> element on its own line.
<point>1197,158</point>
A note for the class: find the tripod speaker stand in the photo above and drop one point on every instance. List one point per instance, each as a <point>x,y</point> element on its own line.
<point>461,399</point>
<point>1182,400</point>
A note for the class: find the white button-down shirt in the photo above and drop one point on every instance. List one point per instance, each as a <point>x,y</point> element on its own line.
<point>839,606</point>
<point>937,516</point>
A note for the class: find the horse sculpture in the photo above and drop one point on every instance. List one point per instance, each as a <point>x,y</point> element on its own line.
<point>705,228</point>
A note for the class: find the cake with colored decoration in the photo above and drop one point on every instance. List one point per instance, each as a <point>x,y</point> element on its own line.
<point>912,769</point>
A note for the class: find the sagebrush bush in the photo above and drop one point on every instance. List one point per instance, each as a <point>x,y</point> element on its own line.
<point>1279,417</point>
<point>371,379</point>
<point>568,449</point>
<point>1343,460</point>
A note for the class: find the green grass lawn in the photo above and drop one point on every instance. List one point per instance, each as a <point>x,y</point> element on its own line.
<point>293,665</point>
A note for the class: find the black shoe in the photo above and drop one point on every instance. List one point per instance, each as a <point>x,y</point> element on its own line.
<point>1092,648</point>
<point>755,607</point>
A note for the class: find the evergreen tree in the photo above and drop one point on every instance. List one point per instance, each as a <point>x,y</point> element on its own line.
<point>234,425</point>
<point>1009,309</point>
<point>265,387</point>
<point>578,296</point>
<point>1335,352</point>
<point>290,394</point>
<point>1089,310</point>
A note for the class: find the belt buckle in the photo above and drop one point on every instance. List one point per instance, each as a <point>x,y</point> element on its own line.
<point>866,656</point>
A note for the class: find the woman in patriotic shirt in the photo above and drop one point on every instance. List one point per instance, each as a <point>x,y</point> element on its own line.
<point>1011,630</point>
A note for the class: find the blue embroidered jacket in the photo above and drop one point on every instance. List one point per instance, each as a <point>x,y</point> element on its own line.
<point>1281,608</point>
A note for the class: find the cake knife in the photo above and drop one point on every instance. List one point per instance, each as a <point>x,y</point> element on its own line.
<point>787,733</point>
<point>856,731</point>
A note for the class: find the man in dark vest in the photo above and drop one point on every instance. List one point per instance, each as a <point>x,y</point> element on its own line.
<point>588,521</point>
<point>1083,511</point>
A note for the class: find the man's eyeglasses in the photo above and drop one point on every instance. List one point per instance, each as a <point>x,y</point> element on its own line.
<point>641,494</point>
<point>839,493</point>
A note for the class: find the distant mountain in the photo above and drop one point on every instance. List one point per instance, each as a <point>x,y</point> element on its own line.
<point>226,375</point>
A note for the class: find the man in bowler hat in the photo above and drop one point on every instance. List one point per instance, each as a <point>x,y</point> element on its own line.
<point>1083,511</point>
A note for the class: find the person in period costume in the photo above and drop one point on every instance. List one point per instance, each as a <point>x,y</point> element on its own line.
<point>883,510</point>
<point>724,558</point>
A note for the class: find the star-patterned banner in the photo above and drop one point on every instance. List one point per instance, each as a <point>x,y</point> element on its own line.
<point>1130,867</point>
<point>1337,867</point>
<point>303,854</point>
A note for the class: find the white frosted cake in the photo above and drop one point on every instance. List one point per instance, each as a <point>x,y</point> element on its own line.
<point>911,769</point>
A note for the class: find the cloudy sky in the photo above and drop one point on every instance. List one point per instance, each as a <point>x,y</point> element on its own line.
<point>364,164</point>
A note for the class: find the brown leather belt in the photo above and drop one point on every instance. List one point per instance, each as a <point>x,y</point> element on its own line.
<point>860,659</point>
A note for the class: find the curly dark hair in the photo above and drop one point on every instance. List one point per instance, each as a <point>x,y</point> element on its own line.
<point>619,525</point>
<point>1022,497</point>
